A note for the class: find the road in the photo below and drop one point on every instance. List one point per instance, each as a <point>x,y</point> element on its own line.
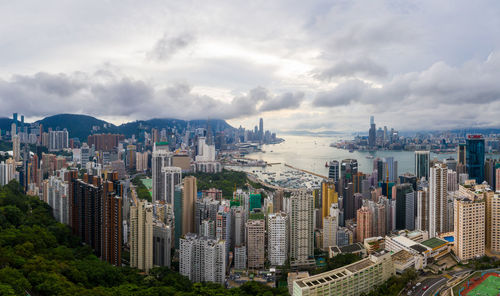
<point>432,283</point>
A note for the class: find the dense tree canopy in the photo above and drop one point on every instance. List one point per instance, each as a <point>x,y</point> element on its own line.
<point>40,256</point>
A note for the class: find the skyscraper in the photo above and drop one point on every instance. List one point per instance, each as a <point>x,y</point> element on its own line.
<point>256,229</point>
<point>364,224</point>
<point>301,226</point>
<point>372,133</point>
<point>405,207</point>
<point>328,196</point>
<point>189,193</point>
<point>160,158</point>
<point>172,177</point>
<point>162,244</point>
<point>422,160</point>
<point>333,171</point>
<point>469,227</point>
<point>462,153</point>
<point>141,235</point>
<point>277,238</point>
<point>475,157</point>
<point>261,129</point>
<point>202,259</point>
<point>438,195</point>
<point>422,220</point>
<point>492,221</point>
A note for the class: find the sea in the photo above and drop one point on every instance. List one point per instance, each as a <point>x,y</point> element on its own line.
<point>312,152</point>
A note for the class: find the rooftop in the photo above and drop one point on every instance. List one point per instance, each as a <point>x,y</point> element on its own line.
<point>419,248</point>
<point>402,256</point>
<point>352,248</point>
<point>434,242</point>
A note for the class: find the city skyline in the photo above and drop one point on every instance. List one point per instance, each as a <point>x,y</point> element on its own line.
<point>353,59</point>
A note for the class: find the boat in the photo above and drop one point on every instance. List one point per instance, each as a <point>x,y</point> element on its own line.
<point>351,150</point>
<point>370,156</point>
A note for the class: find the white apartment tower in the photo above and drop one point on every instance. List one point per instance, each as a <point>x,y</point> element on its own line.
<point>438,196</point>
<point>141,235</point>
<point>277,238</point>
<point>301,226</point>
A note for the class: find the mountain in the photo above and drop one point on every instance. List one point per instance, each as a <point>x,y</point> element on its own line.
<point>5,123</point>
<point>78,125</point>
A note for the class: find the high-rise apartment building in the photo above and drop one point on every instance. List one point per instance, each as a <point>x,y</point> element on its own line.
<point>162,244</point>
<point>438,195</point>
<point>172,177</point>
<point>141,235</point>
<point>452,180</point>
<point>422,164</point>
<point>277,238</point>
<point>189,193</point>
<point>202,259</point>
<point>58,140</point>
<point>330,229</point>
<point>475,157</point>
<point>160,158</point>
<point>301,226</point>
<point>492,221</point>
<point>256,236</point>
<point>469,226</point>
<point>364,224</point>
<point>422,218</point>
<point>7,171</point>
<point>104,142</point>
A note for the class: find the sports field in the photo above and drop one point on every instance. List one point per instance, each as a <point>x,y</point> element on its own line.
<point>490,286</point>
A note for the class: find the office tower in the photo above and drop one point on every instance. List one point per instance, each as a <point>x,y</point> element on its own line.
<point>277,238</point>
<point>58,140</point>
<point>378,166</point>
<point>475,157</point>
<point>162,244</point>
<point>422,163</point>
<point>452,181</point>
<point>105,142</point>
<point>348,202</point>
<point>364,224</point>
<point>172,177</point>
<point>358,278</point>
<point>333,171</point>
<point>7,171</point>
<point>141,235</point>
<point>348,168</point>
<point>366,187</point>
<point>189,193</point>
<point>451,163</point>
<point>256,229</point>
<point>489,172</point>
<point>409,178</point>
<point>405,206</point>
<point>202,259</point>
<point>422,219</point>
<point>130,157</point>
<point>371,133</point>
<point>390,169</point>
<point>330,227</point>
<point>278,200</point>
<point>328,197</point>
<point>357,181</point>
<point>469,227</point>
<point>462,154</point>
<point>438,194</point>
<point>240,258</point>
<point>301,226</point>
<point>492,221</point>
<point>160,158</point>
<point>178,214</point>
<point>261,129</point>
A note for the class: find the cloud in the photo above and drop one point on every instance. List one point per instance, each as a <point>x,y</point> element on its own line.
<point>474,82</point>
<point>167,46</point>
<point>106,94</point>
<point>285,101</point>
<point>364,67</point>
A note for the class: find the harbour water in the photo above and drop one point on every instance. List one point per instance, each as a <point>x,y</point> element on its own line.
<point>312,152</point>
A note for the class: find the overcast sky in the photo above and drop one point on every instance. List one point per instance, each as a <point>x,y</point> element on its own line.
<point>301,65</point>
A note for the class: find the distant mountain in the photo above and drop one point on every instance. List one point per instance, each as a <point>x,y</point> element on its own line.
<point>78,125</point>
<point>5,123</point>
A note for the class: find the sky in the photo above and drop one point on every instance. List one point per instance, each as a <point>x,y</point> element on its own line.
<point>300,65</point>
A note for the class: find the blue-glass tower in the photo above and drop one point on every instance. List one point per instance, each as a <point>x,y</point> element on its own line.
<point>475,157</point>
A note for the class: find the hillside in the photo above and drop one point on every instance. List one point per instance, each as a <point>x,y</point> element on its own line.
<point>40,256</point>
<point>79,126</point>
